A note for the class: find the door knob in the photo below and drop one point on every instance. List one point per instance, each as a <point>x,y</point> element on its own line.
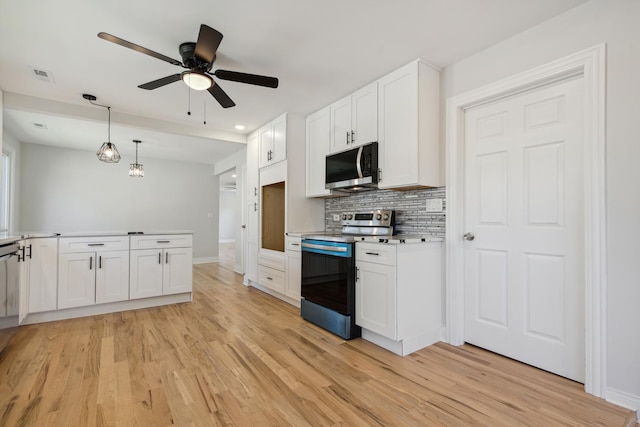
<point>468,236</point>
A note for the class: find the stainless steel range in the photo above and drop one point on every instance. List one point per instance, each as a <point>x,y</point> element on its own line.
<point>329,271</point>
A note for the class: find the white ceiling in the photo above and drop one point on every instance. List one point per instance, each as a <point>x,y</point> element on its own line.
<point>319,50</point>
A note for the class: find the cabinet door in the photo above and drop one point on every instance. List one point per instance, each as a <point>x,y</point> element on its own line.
<point>145,273</point>
<point>251,268</point>
<point>279,132</point>
<point>364,115</point>
<point>112,276</point>
<point>340,114</point>
<point>265,138</point>
<point>294,274</point>
<point>177,272</point>
<point>398,127</point>
<point>251,256</point>
<point>77,279</point>
<point>376,298</point>
<point>253,155</point>
<point>43,274</point>
<point>318,145</point>
<point>23,291</point>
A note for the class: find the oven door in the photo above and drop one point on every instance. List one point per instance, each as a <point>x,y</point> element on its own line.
<point>328,274</point>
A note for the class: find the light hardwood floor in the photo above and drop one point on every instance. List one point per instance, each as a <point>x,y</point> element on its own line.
<point>236,356</point>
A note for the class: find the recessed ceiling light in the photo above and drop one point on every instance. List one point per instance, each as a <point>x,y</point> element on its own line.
<point>233,176</point>
<point>240,127</point>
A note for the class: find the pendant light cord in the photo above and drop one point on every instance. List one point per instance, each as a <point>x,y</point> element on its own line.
<point>109,110</point>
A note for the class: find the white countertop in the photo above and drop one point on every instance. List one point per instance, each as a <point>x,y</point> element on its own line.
<point>301,233</point>
<point>7,239</point>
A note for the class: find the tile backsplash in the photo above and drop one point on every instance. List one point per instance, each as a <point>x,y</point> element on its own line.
<point>410,207</point>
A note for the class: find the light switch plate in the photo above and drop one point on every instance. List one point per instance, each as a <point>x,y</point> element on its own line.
<point>434,205</point>
<point>336,217</point>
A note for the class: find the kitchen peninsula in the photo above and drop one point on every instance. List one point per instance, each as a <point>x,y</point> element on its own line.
<point>78,274</point>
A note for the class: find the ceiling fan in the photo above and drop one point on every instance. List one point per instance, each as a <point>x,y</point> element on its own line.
<point>198,59</point>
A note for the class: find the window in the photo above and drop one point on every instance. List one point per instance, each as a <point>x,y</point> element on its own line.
<point>5,192</point>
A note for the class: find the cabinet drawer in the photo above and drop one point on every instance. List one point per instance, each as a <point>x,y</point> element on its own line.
<point>88,244</point>
<point>274,261</point>
<point>271,278</point>
<point>162,241</point>
<point>379,253</point>
<point>293,243</point>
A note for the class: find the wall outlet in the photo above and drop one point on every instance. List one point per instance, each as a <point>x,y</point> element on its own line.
<point>434,205</point>
<point>336,217</point>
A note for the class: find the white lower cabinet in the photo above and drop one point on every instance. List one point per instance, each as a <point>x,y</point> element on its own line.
<point>163,270</point>
<point>92,277</point>
<point>399,294</point>
<point>293,267</point>
<point>39,273</point>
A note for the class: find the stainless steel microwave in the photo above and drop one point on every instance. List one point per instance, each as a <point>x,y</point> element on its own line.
<point>353,170</point>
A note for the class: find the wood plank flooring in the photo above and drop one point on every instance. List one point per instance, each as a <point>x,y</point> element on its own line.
<point>236,356</point>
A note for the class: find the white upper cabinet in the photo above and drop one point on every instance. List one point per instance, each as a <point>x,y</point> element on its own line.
<point>354,119</point>
<point>253,149</point>
<point>318,143</point>
<point>273,141</point>
<point>408,135</point>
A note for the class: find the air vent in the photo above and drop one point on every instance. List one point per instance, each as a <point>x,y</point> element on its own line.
<point>40,126</point>
<point>43,75</point>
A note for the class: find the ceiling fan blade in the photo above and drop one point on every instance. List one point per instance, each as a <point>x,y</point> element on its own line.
<point>207,44</point>
<point>252,79</point>
<point>160,82</point>
<point>117,40</point>
<point>221,96</point>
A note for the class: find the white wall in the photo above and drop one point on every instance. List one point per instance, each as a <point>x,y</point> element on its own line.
<point>616,23</point>
<point>12,145</point>
<point>228,217</point>
<point>65,190</point>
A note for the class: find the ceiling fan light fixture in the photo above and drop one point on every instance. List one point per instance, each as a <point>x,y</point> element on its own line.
<point>196,81</point>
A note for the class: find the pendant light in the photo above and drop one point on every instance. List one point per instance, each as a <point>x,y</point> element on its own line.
<point>136,170</point>
<point>108,152</point>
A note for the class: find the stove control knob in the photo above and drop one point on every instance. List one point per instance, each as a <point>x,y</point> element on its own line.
<point>378,217</point>
<point>386,217</point>
<point>350,216</point>
<point>344,217</point>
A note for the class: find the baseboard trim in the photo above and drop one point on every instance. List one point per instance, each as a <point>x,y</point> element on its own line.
<point>624,399</point>
<point>206,260</point>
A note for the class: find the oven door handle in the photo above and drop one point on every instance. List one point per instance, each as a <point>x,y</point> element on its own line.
<point>325,248</point>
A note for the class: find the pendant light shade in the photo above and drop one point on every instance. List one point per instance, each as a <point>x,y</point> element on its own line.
<point>136,170</point>
<point>108,153</point>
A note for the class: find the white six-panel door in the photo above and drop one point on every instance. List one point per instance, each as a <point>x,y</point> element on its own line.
<point>524,280</point>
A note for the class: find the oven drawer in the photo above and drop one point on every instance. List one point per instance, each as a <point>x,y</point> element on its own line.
<point>379,253</point>
<point>271,278</point>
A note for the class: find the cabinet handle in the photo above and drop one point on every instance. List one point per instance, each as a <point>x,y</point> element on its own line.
<point>21,258</point>
<point>163,241</point>
<point>100,262</point>
<point>269,278</point>
<point>95,244</point>
<point>255,206</point>
<point>90,263</point>
<point>372,253</point>
<point>159,257</point>
<point>347,138</point>
<point>379,174</point>
<point>353,137</point>
<point>255,191</point>
<point>166,257</point>
<point>295,244</point>
<point>357,274</point>
<point>30,250</point>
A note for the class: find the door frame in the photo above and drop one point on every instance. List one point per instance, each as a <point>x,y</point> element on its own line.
<point>590,65</point>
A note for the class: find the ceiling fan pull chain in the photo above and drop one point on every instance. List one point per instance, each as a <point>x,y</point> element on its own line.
<point>189,107</point>
<point>205,109</point>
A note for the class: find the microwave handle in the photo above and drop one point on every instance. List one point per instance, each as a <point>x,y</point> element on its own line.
<point>359,161</point>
